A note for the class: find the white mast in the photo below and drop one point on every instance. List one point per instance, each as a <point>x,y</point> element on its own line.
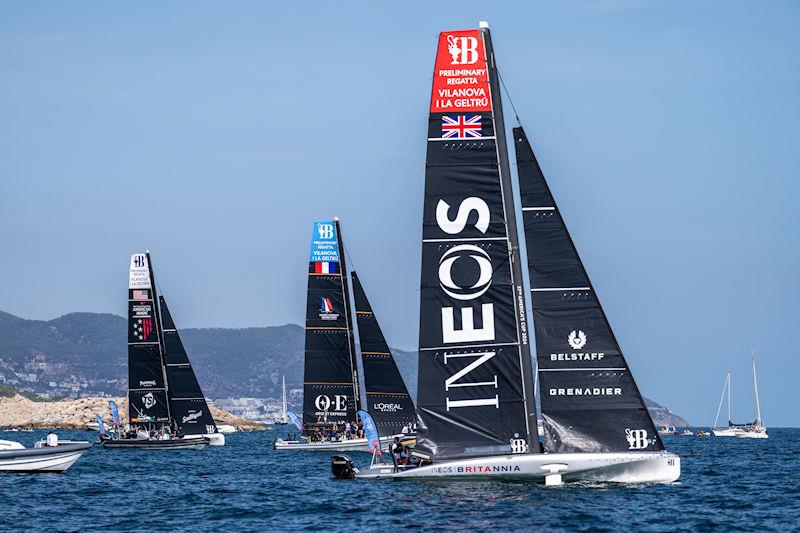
<point>755,388</point>
<point>729,397</point>
<point>725,387</point>
<point>283,404</point>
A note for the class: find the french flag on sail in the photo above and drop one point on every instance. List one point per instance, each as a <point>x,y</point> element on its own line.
<point>326,267</point>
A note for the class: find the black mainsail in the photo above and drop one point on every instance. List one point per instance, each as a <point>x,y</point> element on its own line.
<point>330,383</point>
<point>147,385</point>
<point>188,407</point>
<point>589,400</point>
<point>388,400</point>
<point>475,393</point>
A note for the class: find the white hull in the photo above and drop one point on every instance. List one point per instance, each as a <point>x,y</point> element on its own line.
<point>352,445</point>
<point>753,435</point>
<point>623,467</point>
<point>727,432</point>
<point>41,459</point>
<point>214,439</point>
<point>226,428</point>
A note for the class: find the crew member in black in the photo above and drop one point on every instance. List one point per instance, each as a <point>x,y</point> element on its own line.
<point>396,450</point>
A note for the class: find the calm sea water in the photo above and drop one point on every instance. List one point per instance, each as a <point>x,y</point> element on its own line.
<point>727,484</point>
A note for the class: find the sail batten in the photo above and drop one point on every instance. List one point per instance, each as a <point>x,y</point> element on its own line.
<point>589,399</point>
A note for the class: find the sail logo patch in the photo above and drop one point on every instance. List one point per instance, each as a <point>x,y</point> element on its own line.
<point>326,311</point>
<point>461,127</point>
<point>637,439</point>
<point>325,267</point>
<point>191,417</point>
<point>142,328</point>
<point>324,403</point>
<point>465,251</point>
<point>387,407</point>
<point>325,231</point>
<point>139,274</point>
<point>148,400</point>
<point>577,339</point>
<point>141,294</point>
<point>519,446</point>
<point>464,50</point>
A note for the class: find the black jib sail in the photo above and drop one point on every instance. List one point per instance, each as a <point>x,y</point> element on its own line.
<point>330,383</point>
<point>147,390</point>
<point>475,396</point>
<point>388,400</point>
<point>589,400</point>
<point>189,410</point>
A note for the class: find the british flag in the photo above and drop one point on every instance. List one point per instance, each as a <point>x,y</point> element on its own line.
<point>461,127</point>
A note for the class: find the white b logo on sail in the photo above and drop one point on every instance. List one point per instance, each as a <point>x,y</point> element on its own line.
<point>463,49</point>
<point>637,439</point>
<point>519,446</point>
<point>577,339</point>
<point>148,400</point>
<point>325,231</point>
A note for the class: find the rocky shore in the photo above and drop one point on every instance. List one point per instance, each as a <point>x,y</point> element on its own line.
<point>20,412</point>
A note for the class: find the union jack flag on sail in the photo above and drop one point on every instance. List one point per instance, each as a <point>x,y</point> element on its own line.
<point>461,127</point>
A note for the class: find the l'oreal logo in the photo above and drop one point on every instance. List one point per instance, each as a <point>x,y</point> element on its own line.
<point>468,332</point>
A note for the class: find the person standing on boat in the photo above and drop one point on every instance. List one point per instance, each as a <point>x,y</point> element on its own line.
<point>52,440</point>
<point>396,450</point>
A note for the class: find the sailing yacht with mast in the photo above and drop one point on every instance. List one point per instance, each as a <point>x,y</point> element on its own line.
<point>166,407</point>
<point>756,430</point>
<point>753,430</point>
<point>331,391</point>
<point>476,399</point>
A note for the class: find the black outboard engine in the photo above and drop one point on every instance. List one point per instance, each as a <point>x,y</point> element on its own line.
<point>342,467</point>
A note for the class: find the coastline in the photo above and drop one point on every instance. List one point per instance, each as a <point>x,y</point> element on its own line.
<point>20,412</point>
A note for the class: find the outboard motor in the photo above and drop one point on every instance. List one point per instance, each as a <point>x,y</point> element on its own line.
<point>342,467</point>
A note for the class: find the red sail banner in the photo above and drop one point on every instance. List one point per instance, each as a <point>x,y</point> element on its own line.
<point>460,78</point>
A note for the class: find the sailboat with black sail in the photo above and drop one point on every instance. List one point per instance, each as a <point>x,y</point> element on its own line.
<point>331,394</point>
<point>475,405</point>
<point>166,408</point>
<point>388,400</point>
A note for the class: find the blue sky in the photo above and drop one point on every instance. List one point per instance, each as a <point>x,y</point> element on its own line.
<point>214,134</point>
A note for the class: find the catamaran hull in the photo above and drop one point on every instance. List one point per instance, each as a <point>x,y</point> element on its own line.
<point>186,443</point>
<point>214,439</point>
<point>352,445</point>
<point>32,460</point>
<point>646,467</point>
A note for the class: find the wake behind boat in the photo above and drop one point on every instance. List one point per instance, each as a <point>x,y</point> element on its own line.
<point>476,397</point>
<point>14,457</point>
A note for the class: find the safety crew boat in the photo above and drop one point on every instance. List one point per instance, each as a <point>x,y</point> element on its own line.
<point>476,402</point>
<point>331,394</point>
<point>166,407</point>
<point>14,457</point>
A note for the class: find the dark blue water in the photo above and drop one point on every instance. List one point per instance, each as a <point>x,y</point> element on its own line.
<point>727,484</point>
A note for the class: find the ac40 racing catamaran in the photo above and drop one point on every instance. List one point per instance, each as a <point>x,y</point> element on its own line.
<point>476,401</point>
<point>331,386</point>
<point>166,407</point>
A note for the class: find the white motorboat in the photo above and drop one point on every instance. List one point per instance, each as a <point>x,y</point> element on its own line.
<point>226,428</point>
<point>14,457</point>
<point>345,445</point>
